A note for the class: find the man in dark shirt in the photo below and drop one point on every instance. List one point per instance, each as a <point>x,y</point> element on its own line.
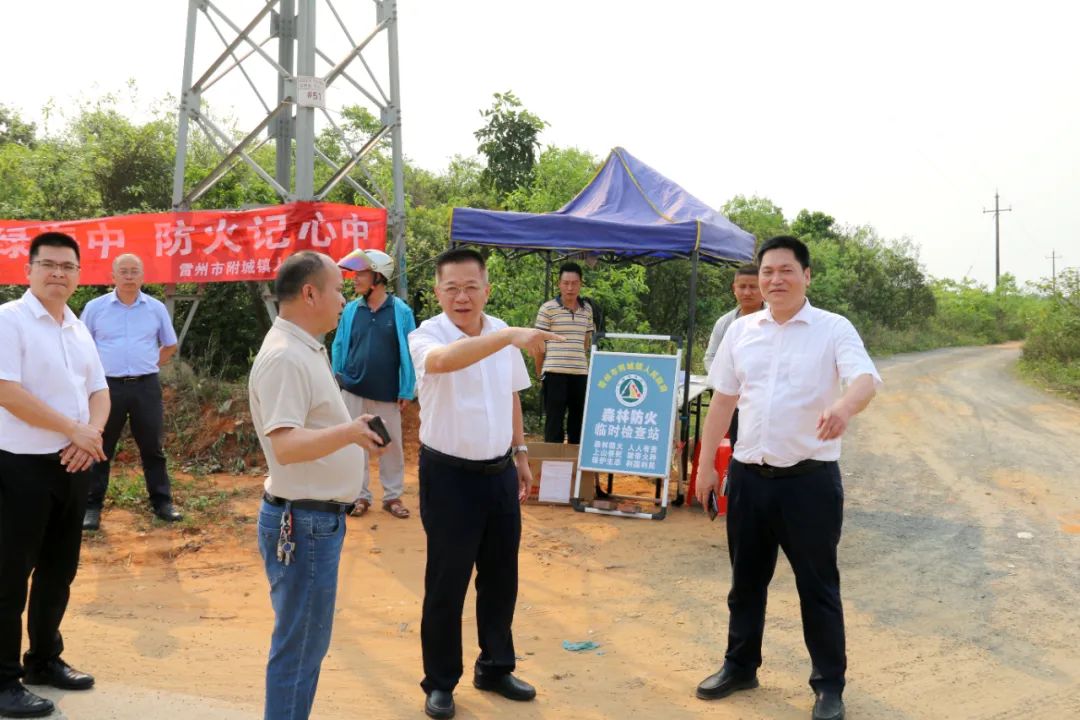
<point>372,364</point>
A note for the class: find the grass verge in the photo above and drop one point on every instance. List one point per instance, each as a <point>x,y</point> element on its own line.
<point>1060,378</point>
<point>202,502</point>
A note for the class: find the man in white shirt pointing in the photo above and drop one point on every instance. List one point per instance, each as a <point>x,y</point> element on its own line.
<point>784,367</point>
<point>474,473</point>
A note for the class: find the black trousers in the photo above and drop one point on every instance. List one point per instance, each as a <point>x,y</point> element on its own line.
<point>802,515</point>
<point>470,519</point>
<point>564,404</point>
<point>41,512</point>
<point>140,401</point>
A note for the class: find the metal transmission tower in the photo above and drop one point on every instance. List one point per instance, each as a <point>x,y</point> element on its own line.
<point>304,91</point>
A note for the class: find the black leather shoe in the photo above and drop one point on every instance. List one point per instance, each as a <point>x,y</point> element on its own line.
<point>168,513</point>
<point>60,675</point>
<point>18,702</point>
<point>506,685</point>
<point>439,705</point>
<point>92,519</point>
<point>828,706</point>
<point>724,683</point>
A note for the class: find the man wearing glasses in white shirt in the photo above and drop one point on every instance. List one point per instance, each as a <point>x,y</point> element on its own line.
<point>784,368</point>
<point>54,402</point>
<point>474,473</point>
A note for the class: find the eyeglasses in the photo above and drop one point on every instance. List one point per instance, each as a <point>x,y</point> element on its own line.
<point>130,272</point>
<point>69,268</point>
<point>453,290</point>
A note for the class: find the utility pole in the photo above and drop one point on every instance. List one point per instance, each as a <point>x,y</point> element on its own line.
<point>997,236</point>
<point>1053,257</point>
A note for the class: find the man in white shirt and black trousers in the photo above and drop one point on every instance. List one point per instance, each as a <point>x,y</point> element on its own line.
<point>474,473</point>
<point>54,402</point>
<point>784,367</point>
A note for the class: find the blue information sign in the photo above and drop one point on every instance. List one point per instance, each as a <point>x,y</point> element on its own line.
<point>629,414</point>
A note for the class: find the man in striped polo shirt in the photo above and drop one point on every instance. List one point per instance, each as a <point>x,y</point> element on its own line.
<point>564,365</point>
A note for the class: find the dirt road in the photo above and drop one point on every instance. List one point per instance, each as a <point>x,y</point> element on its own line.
<point>960,562</point>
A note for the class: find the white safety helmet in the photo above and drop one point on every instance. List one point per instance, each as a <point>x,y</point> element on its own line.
<point>375,260</point>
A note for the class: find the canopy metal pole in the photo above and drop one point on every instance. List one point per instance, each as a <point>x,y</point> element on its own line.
<point>547,276</point>
<point>685,416</point>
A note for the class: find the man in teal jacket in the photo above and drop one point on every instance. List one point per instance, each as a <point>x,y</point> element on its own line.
<point>371,361</point>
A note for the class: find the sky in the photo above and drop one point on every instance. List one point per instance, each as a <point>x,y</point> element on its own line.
<point>904,116</point>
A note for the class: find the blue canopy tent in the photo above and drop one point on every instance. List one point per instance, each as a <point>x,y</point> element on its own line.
<point>628,212</point>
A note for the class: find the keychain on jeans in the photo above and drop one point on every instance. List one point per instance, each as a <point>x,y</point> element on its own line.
<point>285,544</point>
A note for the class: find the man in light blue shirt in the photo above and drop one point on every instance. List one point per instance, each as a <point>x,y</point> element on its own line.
<point>135,337</point>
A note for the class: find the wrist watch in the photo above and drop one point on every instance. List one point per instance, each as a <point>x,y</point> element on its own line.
<point>520,449</point>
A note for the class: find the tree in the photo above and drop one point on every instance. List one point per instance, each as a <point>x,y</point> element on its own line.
<point>559,175</point>
<point>509,143</point>
<point>14,130</point>
<point>1055,337</point>
<point>132,165</point>
<point>758,216</point>
<point>814,226</point>
<point>872,281</point>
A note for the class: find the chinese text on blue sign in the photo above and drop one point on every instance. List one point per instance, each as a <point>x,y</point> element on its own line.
<point>629,414</point>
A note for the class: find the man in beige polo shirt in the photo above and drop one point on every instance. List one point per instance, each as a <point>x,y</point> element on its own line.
<point>312,449</point>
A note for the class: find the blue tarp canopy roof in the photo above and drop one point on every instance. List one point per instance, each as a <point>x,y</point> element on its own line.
<point>628,210</point>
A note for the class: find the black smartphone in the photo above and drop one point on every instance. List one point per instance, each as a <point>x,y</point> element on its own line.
<point>377,427</point>
<point>714,505</point>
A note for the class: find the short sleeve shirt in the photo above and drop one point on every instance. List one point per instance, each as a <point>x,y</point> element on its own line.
<point>566,356</point>
<point>374,357</point>
<point>55,362</point>
<point>786,376</point>
<point>721,327</point>
<point>291,385</point>
<point>467,413</point>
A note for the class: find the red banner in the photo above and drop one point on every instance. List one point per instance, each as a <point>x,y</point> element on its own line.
<point>201,246</point>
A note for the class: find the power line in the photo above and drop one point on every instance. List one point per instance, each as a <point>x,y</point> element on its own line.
<point>997,236</point>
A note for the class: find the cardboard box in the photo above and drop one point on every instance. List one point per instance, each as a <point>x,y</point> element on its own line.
<point>541,451</point>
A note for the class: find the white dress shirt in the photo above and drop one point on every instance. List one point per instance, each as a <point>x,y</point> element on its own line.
<point>56,363</point>
<point>467,413</point>
<point>785,376</point>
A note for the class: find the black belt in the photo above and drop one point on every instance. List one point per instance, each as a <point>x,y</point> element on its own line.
<point>131,378</point>
<point>771,471</point>
<point>316,505</point>
<point>493,466</point>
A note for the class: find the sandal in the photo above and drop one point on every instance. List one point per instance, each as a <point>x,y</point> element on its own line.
<point>360,508</point>
<point>396,508</point>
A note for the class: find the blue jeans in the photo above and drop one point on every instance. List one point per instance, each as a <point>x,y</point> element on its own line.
<point>303,595</point>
